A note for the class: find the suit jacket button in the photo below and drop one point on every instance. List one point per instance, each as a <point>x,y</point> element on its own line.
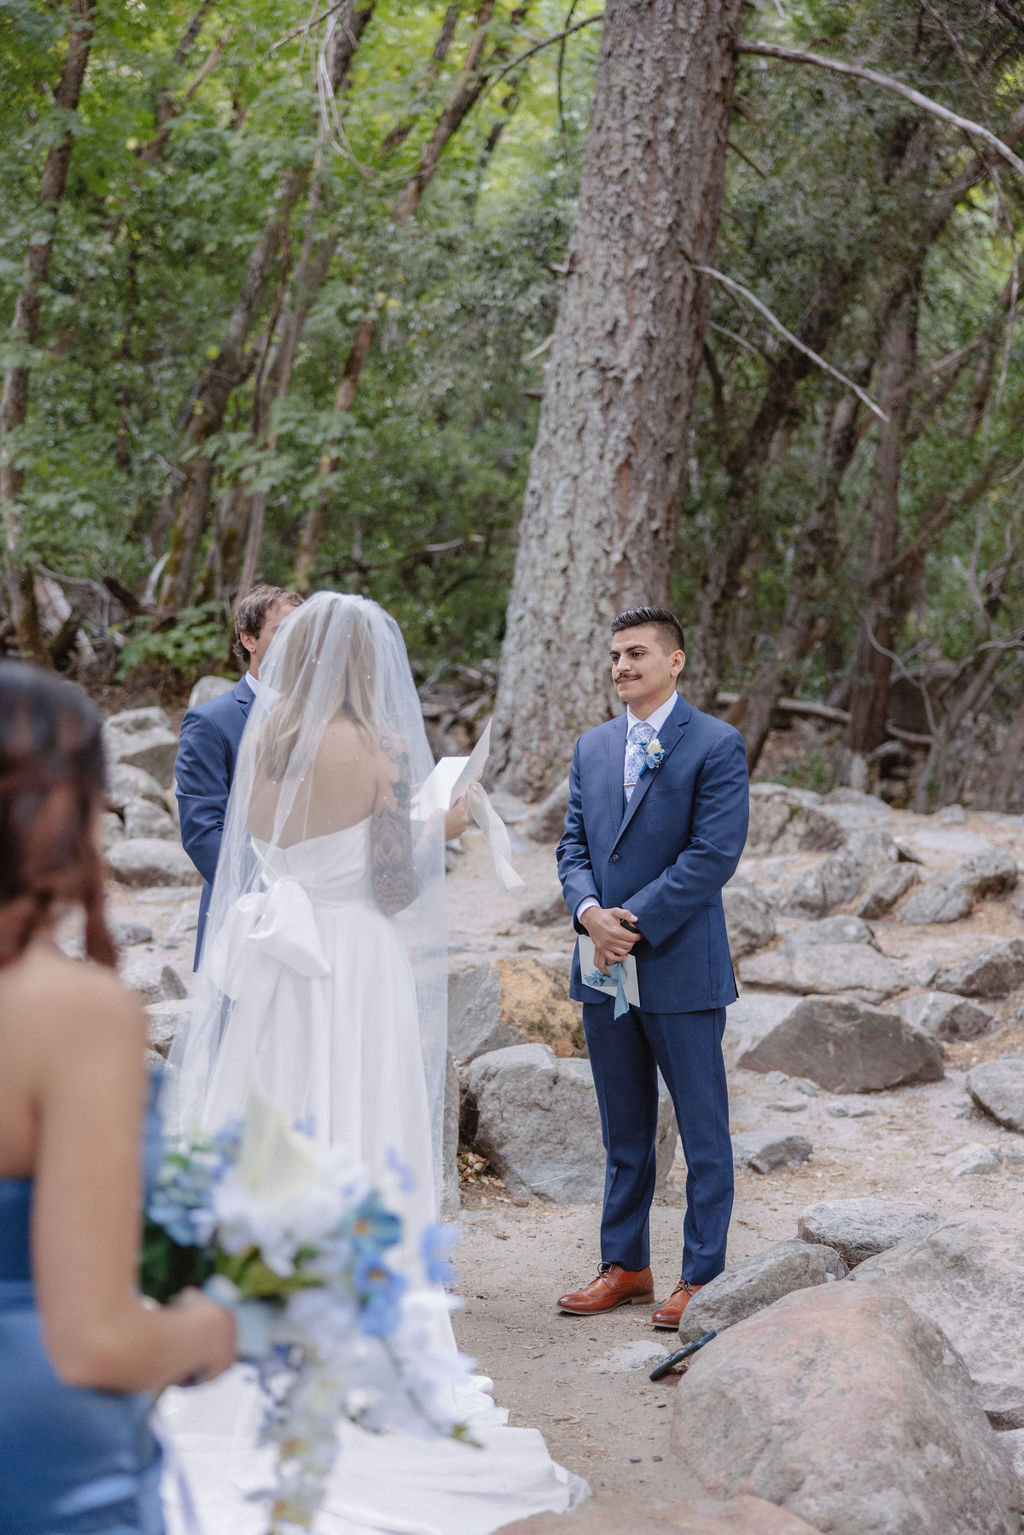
<point>614,858</point>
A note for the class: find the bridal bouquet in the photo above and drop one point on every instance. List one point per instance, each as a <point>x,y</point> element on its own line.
<point>290,1235</point>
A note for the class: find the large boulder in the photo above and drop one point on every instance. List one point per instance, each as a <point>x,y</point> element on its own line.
<point>858,1229</point>
<point>997,1087</point>
<point>538,1123</point>
<point>847,1047</point>
<point>164,1022</point>
<point>946,1015</point>
<point>951,895</point>
<point>757,1282</point>
<point>749,917</point>
<point>843,874</point>
<point>967,1276</point>
<point>153,979</point>
<point>548,820</point>
<point>995,972</point>
<point>829,930</point>
<point>145,862</point>
<point>142,738</point>
<point>886,889</point>
<point>784,820</point>
<point>764,1150</point>
<point>144,819</point>
<point>617,1514</point>
<point>825,969</point>
<point>207,689</point>
<point>852,1412</point>
<point>511,1002</point>
<point>125,784</point>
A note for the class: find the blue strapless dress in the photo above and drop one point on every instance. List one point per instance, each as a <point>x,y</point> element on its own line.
<point>73,1461</point>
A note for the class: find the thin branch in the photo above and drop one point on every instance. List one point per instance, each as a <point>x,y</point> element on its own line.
<point>737,287</point>
<point>887,83</point>
<point>746,159</point>
<point>1012,15</point>
<point>545,42</point>
<point>305,27</point>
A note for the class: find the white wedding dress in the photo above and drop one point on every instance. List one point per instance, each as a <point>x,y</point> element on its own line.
<point>325,1021</point>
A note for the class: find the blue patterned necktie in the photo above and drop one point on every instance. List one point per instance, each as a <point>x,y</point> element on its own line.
<point>639,735</point>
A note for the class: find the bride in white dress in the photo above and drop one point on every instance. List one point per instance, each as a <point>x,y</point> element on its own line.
<point>323,983</point>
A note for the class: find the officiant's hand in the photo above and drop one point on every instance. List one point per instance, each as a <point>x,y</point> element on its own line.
<point>612,941</point>
<point>455,821</point>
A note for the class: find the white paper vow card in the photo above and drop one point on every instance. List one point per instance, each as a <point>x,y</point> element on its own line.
<point>588,965</point>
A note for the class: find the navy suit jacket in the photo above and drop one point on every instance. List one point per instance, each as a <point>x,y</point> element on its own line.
<point>665,855</point>
<point>210,737</point>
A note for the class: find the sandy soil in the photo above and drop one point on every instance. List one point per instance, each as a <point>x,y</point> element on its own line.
<point>584,1382</point>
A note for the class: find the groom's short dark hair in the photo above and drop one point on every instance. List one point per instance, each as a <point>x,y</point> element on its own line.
<point>251,614</point>
<point>668,623</point>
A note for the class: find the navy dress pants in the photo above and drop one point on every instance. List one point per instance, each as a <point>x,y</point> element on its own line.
<point>626,1054</point>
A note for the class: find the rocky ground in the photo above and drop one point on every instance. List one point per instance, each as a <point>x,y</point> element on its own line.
<point>862,1099</point>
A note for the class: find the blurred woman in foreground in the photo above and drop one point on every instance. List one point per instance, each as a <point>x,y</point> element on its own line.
<point>80,1352</point>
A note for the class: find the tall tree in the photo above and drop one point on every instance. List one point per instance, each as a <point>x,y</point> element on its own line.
<point>25,330</point>
<point>599,518</point>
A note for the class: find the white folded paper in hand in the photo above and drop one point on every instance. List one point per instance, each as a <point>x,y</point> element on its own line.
<point>588,965</point>
<point>457,778</point>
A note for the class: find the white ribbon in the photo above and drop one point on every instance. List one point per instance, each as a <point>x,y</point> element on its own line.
<point>479,807</point>
<point>277,923</point>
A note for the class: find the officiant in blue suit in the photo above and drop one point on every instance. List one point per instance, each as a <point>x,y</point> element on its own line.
<point>655,826</point>
<point>210,737</point>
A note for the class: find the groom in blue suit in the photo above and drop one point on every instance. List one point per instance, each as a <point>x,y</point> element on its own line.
<point>655,826</point>
<point>211,734</point>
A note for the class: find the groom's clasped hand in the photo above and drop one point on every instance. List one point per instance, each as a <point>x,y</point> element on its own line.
<point>614,932</point>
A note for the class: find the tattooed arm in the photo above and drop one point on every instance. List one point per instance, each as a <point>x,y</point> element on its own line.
<point>393,875</point>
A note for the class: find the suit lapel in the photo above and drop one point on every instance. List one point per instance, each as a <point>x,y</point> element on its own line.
<point>669,735</point>
<point>244,696</point>
<point>616,757</point>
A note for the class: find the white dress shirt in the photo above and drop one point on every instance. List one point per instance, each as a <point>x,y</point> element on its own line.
<point>655,719</point>
<point>254,683</point>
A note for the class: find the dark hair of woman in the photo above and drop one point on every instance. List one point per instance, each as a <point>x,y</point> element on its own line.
<point>52,790</point>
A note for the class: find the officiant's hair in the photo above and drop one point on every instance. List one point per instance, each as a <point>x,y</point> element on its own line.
<point>52,790</point>
<point>668,623</point>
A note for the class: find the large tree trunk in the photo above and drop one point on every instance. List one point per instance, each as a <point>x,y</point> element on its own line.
<point>25,329</point>
<point>599,518</point>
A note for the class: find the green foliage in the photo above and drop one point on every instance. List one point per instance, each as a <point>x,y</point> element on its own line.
<point>194,644</point>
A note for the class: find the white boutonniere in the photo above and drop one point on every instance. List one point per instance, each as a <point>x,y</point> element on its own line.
<point>653,755</point>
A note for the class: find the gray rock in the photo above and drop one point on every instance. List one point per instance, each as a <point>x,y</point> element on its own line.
<point>125,934</point>
<point>946,1015</point>
<point>951,895</point>
<point>164,1019</point>
<point>967,1276</point>
<point>784,820</point>
<point>823,970</point>
<point>763,1150</point>
<point>997,1087</point>
<point>921,970</point>
<point>546,913</point>
<point>539,1127</point>
<point>451,1200</point>
<point>126,783</point>
<point>852,1412</point>
<point>182,926</point>
<point>1013,1440</point>
<point>994,972</point>
<point>848,1047</point>
<point>859,1229</point>
<point>830,930</point>
<point>886,890</point>
<point>969,1160</point>
<point>749,917</point>
<point>111,830</point>
<point>142,738</point>
<point>474,1013</point>
<point>951,815</point>
<point>144,819</point>
<point>548,820</point>
<point>153,980</point>
<point>511,809</point>
<point>843,874</point>
<point>757,1282</point>
<point>207,689</point>
<point>145,862</point>
<point>869,806</point>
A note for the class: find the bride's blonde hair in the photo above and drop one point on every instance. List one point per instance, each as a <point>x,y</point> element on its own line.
<point>298,648</point>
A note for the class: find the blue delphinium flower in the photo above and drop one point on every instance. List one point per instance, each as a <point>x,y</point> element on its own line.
<point>379,1290</point>
<point>436,1246</point>
<point>182,1201</point>
<point>372,1226</point>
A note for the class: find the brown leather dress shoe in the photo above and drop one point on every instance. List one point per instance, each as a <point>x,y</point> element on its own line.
<point>668,1315</point>
<point>614,1286</point>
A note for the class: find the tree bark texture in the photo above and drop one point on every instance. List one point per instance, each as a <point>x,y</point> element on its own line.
<point>599,517</point>
<point>25,329</point>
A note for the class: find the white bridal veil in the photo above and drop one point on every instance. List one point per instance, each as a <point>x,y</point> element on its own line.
<point>300,778</point>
